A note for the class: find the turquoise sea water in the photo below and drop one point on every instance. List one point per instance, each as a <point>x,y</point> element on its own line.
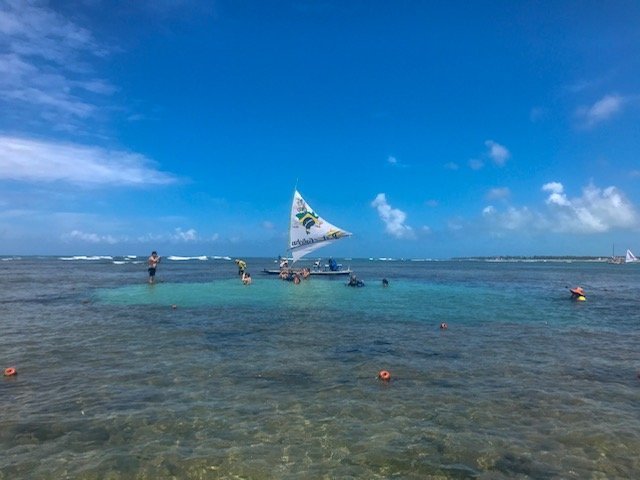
<point>278,381</point>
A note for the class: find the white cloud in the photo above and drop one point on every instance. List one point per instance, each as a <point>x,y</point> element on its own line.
<point>392,160</point>
<point>393,218</point>
<point>488,210</point>
<point>597,210</point>
<point>602,110</point>
<point>557,195</point>
<point>555,187</point>
<point>30,160</point>
<point>188,236</point>
<point>498,153</point>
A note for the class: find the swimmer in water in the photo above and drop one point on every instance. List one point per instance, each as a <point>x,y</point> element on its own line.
<point>578,294</point>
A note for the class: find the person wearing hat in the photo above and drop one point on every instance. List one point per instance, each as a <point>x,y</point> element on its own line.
<point>242,266</point>
<point>578,294</point>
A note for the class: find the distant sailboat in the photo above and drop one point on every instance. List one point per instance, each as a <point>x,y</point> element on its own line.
<point>308,232</point>
<point>630,257</point>
<point>615,260</point>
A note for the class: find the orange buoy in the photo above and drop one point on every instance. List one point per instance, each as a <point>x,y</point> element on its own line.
<point>443,326</point>
<point>384,375</point>
<point>10,372</point>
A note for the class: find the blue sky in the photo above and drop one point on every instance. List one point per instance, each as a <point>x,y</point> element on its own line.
<point>428,129</point>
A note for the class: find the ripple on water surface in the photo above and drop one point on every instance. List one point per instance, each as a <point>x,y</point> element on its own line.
<point>279,381</point>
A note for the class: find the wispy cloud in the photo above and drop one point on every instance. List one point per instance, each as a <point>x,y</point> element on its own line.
<point>393,218</point>
<point>537,114</point>
<point>498,193</point>
<point>602,110</point>
<point>176,236</point>
<point>90,237</point>
<point>512,218</point>
<point>451,166</point>
<point>475,164</point>
<point>30,160</point>
<point>45,66</point>
<point>394,162</point>
<point>497,153</point>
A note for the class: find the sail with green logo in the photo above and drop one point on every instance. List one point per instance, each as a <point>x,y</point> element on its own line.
<point>308,231</point>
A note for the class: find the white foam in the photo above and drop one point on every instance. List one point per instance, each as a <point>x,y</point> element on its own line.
<point>85,257</point>
<point>183,259</point>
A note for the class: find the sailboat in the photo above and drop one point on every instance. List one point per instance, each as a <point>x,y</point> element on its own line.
<point>615,260</point>
<point>309,232</point>
<point>630,257</point>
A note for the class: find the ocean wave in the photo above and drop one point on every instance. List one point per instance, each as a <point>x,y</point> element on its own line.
<point>85,257</point>
<point>183,259</point>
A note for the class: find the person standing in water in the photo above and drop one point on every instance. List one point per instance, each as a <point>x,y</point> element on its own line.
<point>152,263</point>
<point>242,266</point>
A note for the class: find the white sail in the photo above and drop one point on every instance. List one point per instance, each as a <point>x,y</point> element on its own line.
<point>308,231</point>
<point>630,257</point>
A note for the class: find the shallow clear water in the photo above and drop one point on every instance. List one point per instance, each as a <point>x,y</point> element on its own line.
<point>277,381</point>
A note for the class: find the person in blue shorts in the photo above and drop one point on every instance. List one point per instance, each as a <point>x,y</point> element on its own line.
<point>152,262</point>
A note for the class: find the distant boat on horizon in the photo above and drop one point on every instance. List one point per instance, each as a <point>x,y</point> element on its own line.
<point>630,257</point>
<point>615,260</point>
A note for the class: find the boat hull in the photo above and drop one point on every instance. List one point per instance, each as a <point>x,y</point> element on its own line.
<point>320,273</point>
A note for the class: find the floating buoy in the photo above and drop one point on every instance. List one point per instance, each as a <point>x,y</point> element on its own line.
<point>384,375</point>
<point>10,372</point>
<point>443,326</point>
<point>174,306</point>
